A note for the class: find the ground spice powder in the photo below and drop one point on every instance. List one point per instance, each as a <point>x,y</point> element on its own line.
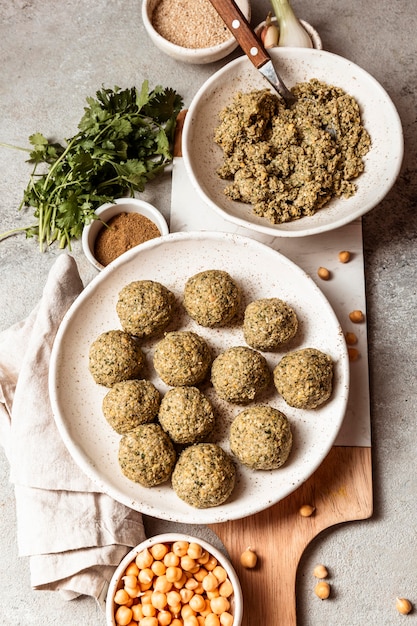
<point>121,233</point>
<point>189,23</point>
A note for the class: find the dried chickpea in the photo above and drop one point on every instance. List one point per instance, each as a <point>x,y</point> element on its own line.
<point>353,354</point>
<point>344,256</point>
<point>159,600</point>
<point>176,610</point>
<point>248,558</point>
<point>191,620</point>
<point>162,584</point>
<point>403,606</point>
<point>356,316</point>
<point>323,273</point>
<point>320,571</point>
<point>123,615</point>
<point>226,619</point>
<point>178,584</point>
<point>133,592</point>
<point>158,568</point>
<point>130,581</point>
<point>164,618</point>
<point>207,610</point>
<point>212,620</point>
<point>137,612</point>
<point>187,563</point>
<point>132,569</point>
<point>226,589</point>
<point>159,550</point>
<point>197,602</point>
<point>351,339</point>
<point>195,551</point>
<point>171,559</point>
<point>149,621</point>
<point>145,575</point>
<point>211,563</point>
<point>146,597</point>
<point>212,594</point>
<point>210,582</point>
<point>186,595</point>
<point>173,598</point>
<point>306,510</point>
<point>220,573</point>
<point>144,559</point>
<point>322,590</point>
<point>173,574</point>
<point>219,605</point>
<point>148,610</point>
<point>122,597</point>
<point>180,548</point>
<point>204,558</point>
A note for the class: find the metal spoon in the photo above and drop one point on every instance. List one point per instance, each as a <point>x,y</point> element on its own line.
<point>252,46</point>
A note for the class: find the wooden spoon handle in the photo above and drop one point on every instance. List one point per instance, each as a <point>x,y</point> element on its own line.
<point>239,26</point>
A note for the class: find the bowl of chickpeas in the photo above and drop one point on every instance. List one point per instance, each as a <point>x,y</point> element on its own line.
<point>174,580</point>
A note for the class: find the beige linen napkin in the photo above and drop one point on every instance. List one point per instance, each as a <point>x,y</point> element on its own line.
<point>73,535</point>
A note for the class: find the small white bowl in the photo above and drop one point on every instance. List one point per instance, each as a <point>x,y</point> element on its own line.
<point>314,36</point>
<point>106,211</point>
<point>116,582</point>
<point>190,55</point>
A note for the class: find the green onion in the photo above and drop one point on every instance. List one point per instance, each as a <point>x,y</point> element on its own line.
<point>291,31</point>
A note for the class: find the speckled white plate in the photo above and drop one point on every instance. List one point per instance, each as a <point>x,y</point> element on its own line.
<point>202,157</point>
<point>261,272</point>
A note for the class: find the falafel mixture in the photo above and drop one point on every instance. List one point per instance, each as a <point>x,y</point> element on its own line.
<point>145,308</point>
<point>147,455</point>
<point>268,323</point>
<point>204,475</point>
<point>182,358</point>
<point>240,374</point>
<point>212,298</point>
<point>115,356</point>
<point>131,403</point>
<point>261,438</point>
<point>304,378</point>
<point>288,162</point>
<point>186,415</point>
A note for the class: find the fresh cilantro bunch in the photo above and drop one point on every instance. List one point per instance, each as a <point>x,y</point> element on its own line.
<point>125,138</point>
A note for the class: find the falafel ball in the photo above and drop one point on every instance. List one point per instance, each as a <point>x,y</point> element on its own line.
<point>268,323</point>
<point>131,403</point>
<point>304,378</point>
<point>261,438</point>
<point>147,455</point>
<point>145,308</point>
<point>182,358</point>
<point>240,374</point>
<point>212,298</point>
<point>204,475</point>
<point>115,356</point>
<point>186,415</point>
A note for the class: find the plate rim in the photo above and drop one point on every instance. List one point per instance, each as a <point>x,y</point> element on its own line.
<point>79,456</point>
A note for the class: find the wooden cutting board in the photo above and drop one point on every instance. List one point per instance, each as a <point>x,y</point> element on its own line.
<point>340,490</point>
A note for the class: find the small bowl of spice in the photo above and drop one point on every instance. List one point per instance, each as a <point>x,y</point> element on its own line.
<point>190,30</point>
<point>120,226</point>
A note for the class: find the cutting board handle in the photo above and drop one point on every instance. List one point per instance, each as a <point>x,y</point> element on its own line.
<point>340,490</point>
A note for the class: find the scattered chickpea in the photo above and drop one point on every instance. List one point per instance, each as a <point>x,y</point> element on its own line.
<point>351,339</point>
<point>344,256</point>
<point>306,510</point>
<point>322,590</point>
<point>320,571</point>
<point>323,273</point>
<point>356,316</point>
<point>403,606</point>
<point>249,558</point>
<point>353,354</point>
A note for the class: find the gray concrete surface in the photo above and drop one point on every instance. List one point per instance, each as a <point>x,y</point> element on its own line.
<point>52,56</point>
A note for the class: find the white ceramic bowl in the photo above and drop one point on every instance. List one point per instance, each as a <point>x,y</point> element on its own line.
<point>169,538</point>
<point>314,36</point>
<point>109,210</point>
<point>190,55</point>
<point>202,156</point>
